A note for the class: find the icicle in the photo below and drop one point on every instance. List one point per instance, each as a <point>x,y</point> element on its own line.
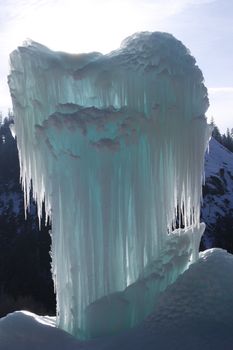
<point>115,144</point>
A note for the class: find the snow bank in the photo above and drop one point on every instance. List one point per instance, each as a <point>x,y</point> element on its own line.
<point>23,330</point>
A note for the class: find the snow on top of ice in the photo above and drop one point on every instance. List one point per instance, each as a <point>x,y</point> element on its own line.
<point>196,311</point>
<point>57,58</point>
<point>156,50</point>
<point>204,290</point>
<point>108,315</point>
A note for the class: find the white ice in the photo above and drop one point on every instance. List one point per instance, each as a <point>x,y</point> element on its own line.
<point>115,145</point>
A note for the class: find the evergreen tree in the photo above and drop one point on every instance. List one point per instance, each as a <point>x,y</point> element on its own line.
<point>25,276</point>
<point>224,139</point>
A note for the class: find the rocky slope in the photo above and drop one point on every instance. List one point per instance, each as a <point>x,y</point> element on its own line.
<point>217,209</point>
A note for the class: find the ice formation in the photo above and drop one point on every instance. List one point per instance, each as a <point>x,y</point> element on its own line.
<point>115,145</point>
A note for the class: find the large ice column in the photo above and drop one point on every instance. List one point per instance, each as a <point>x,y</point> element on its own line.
<point>115,145</point>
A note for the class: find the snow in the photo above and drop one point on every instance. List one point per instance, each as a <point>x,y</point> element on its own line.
<point>195,312</point>
<point>122,310</point>
<point>115,144</point>
<point>24,330</point>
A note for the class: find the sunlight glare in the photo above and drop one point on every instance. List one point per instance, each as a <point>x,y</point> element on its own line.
<point>77,26</point>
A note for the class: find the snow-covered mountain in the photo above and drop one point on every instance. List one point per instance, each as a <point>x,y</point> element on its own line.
<point>217,191</point>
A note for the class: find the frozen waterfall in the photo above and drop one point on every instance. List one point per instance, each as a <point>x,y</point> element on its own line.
<point>115,146</point>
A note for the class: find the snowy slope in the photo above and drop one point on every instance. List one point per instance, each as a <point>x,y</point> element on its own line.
<point>194,313</point>
<point>218,189</point>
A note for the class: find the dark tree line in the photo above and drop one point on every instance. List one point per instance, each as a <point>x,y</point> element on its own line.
<point>223,233</point>
<point>225,139</point>
<point>25,264</point>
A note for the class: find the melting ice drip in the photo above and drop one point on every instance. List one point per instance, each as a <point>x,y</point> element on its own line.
<point>115,144</point>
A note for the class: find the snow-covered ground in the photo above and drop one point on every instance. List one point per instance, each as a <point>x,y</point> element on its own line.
<point>195,313</point>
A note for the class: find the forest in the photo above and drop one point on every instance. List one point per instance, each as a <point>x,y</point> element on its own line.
<point>25,263</point>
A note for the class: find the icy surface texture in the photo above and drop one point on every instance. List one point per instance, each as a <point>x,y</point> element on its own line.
<point>115,144</point>
<point>121,310</point>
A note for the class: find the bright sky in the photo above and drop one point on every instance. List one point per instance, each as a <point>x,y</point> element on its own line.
<point>204,26</point>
